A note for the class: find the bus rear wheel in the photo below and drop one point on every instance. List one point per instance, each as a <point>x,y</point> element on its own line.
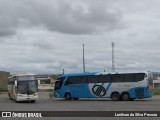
<point>125,97</point>
<point>131,99</point>
<point>68,96</point>
<point>115,96</point>
<point>75,98</point>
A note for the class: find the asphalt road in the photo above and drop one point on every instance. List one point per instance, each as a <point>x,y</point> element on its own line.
<point>45,103</point>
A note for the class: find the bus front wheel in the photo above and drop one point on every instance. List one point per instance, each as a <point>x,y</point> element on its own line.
<point>115,96</point>
<point>68,96</point>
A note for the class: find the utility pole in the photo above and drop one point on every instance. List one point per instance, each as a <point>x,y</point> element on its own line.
<point>63,71</point>
<point>83,60</point>
<point>113,62</point>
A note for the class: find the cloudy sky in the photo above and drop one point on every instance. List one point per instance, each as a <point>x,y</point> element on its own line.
<point>45,36</point>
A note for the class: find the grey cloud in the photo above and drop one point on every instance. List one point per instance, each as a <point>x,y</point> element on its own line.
<point>75,19</point>
<point>59,16</point>
<point>6,32</point>
<point>43,45</point>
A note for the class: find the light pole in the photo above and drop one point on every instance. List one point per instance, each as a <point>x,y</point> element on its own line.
<point>83,60</point>
<point>63,71</point>
<point>113,62</point>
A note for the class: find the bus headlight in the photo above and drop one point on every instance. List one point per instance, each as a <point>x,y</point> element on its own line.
<point>35,94</point>
<point>56,95</point>
<point>20,95</point>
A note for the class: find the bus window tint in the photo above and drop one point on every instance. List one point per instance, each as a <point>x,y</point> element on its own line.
<point>108,78</point>
<point>139,76</point>
<point>119,78</point>
<point>71,80</point>
<point>128,78</point>
<point>102,79</point>
<point>93,79</point>
<point>27,87</point>
<point>116,78</point>
<point>81,80</point>
<point>59,83</point>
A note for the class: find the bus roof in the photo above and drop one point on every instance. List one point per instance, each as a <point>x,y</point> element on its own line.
<point>23,75</point>
<point>104,73</point>
<point>80,74</point>
<point>98,73</point>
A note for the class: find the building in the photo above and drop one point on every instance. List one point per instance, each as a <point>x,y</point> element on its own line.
<point>46,81</point>
<point>156,80</point>
<point>4,79</point>
<point>156,83</point>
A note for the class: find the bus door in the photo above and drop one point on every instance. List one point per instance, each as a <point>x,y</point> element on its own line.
<point>58,89</point>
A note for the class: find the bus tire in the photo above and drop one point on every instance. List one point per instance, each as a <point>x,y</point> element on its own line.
<point>131,99</point>
<point>17,101</point>
<point>32,101</point>
<point>68,96</point>
<point>15,98</point>
<point>125,96</point>
<point>75,98</point>
<point>9,95</point>
<point>115,96</point>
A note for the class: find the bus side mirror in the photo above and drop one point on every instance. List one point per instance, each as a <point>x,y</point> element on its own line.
<point>15,83</point>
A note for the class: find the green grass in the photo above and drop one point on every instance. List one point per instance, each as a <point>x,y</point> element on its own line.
<point>46,90</point>
<point>1,90</point>
<point>156,91</point>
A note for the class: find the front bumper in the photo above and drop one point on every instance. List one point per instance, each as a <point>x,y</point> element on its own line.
<point>27,98</point>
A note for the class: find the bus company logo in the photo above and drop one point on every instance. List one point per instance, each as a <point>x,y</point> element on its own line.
<point>99,90</point>
<point>6,114</point>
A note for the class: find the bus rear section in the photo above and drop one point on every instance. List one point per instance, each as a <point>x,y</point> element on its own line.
<point>149,83</point>
<point>143,87</point>
<point>119,86</point>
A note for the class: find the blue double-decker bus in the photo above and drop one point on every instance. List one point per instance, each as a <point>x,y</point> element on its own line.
<point>117,86</point>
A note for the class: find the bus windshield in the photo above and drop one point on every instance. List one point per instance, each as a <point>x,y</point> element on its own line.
<point>59,83</point>
<point>27,87</point>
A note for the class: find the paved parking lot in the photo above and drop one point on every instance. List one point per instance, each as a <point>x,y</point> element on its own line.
<point>46,104</point>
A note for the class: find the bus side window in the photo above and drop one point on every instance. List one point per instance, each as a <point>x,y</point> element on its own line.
<point>108,78</point>
<point>93,79</point>
<point>119,78</point>
<point>71,80</point>
<point>82,80</point>
<point>86,79</point>
<point>139,76</point>
<point>102,79</point>
<point>68,82</point>
<point>129,78</point>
